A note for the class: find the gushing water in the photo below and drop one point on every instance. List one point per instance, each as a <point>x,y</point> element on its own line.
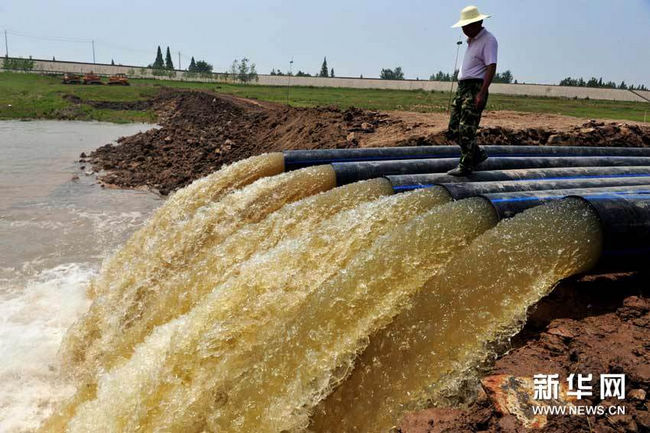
<point>259,351</point>
<point>124,321</point>
<point>481,296</point>
<point>274,304</point>
<point>137,277</point>
<point>181,206</point>
<point>308,260</point>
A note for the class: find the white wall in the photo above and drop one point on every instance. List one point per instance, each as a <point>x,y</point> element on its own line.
<point>48,66</point>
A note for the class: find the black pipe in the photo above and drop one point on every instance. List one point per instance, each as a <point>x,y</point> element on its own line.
<point>625,223</point>
<point>624,214</point>
<point>407,182</point>
<point>459,191</point>
<point>348,172</point>
<point>508,204</point>
<point>294,159</point>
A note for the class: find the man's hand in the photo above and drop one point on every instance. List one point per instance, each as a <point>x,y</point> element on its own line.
<point>479,100</point>
<point>481,97</point>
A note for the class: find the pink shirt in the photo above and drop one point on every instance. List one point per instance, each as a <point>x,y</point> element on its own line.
<point>481,52</point>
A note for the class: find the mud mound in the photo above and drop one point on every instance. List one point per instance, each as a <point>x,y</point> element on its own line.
<point>591,133</point>
<point>200,131</point>
<point>592,325</point>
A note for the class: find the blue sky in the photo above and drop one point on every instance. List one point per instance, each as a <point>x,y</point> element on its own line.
<point>540,41</point>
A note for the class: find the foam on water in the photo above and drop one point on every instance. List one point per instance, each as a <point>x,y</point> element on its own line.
<point>54,230</point>
<point>32,323</point>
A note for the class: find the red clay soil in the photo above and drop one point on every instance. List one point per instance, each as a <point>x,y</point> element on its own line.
<point>201,131</point>
<point>597,324</point>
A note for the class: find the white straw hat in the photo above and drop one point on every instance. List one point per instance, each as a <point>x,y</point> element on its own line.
<point>469,15</point>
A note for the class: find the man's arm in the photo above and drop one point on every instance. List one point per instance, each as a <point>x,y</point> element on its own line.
<point>490,70</point>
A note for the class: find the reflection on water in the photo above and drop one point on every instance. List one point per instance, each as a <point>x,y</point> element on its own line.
<point>54,232</point>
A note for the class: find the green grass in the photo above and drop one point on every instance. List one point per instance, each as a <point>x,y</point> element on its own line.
<point>36,96</point>
<point>31,96</point>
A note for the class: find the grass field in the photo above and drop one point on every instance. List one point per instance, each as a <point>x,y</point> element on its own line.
<point>31,96</point>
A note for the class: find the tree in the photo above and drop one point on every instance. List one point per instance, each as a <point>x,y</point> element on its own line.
<point>243,71</point>
<point>392,74</point>
<point>443,76</point>
<point>323,69</point>
<point>203,67</point>
<point>192,67</point>
<point>159,63</point>
<point>598,83</point>
<point>302,74</point>
<point>112,62</point>
<point>332,73</point>
<point>168,61</point>
<point>504,77</point>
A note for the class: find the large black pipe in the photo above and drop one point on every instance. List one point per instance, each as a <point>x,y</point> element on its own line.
<point>624,214</point>
<point>294,159</point>
<point>348,172</point>
<point>459,191</point>
<point>406,182</point>
<point>625,223</point>
<point>508,204</point>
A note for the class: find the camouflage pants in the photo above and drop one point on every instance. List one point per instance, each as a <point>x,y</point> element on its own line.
<point>465,118</point>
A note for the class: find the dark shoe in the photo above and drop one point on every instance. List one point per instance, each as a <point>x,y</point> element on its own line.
<point>460,171</point>
<point>481,156</point>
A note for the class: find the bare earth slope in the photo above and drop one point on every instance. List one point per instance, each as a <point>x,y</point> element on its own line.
<point>201,131</point>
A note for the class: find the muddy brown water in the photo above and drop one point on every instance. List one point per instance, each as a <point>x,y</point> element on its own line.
<point>54,233</point>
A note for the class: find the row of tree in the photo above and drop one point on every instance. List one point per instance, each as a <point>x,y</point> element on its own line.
<point>201,67</point>
<point>167,64</point>
<point>159,63</point>
<point>392,74</point>
<point>499,77</point>
<point>324,72</point>
<point>245,71</point>
<point>599,83</point>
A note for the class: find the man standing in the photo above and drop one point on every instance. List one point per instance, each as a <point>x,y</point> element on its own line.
<point>476,74</point>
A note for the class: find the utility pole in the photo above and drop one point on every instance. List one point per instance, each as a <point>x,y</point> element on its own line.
<point>93,50</point>
<point>453,74</point>
<point>289,79</point>
<point>179,61</point>
<point>6,45</point>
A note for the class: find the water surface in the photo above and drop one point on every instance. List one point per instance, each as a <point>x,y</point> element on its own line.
<point>56,226</point>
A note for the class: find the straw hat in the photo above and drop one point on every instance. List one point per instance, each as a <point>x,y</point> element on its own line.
<point>469,15</point>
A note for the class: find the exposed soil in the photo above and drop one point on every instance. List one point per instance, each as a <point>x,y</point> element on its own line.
<point>596,324</point>
<point>201,131</point>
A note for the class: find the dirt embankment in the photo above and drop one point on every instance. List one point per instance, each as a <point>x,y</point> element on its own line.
<point>201,131</point>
